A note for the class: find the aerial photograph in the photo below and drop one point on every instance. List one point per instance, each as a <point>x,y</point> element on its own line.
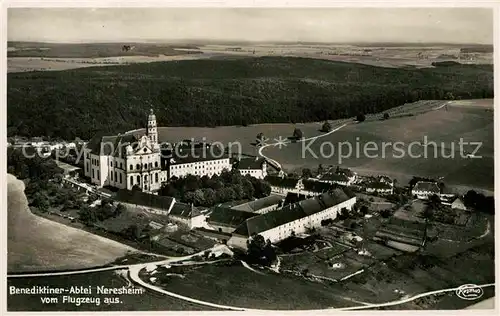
<point>250,159</point>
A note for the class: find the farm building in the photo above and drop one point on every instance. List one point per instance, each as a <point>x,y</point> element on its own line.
<point>226,220</point>
<point>283,185</point>
<point>69,170</point>
<point>213,234</point>
<point>292,219</point>
<point>261,206</point>
<point>423,189</point>
<point>292,198</point>
<point>348,173</point>
<point>386,180</point>
<point>379,187</point>
<point>339,179</point>
<point>149,202</point>
<point>458,204</point>
<point>187,214</point>
<point>255,167</point>
<point>315,187</point>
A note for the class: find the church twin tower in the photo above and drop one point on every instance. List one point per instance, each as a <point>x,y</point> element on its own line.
<point>152,130</point>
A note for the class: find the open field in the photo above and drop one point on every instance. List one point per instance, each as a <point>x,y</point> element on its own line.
<point>26,56</point>
<point>37,244</point>
<point>444,127</point>
<point>412,274</point>
<point>240,287</point>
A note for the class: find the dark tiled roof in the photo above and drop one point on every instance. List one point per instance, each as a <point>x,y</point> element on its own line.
<point>144,199</point>
<point>282,182</point>
<point>228,217</point>
<point>188,154</point>
<point>378,185</point>
<point>211,232</point>
<point>254,206</point>
<point>317,186</point>
<point>111,145</point>
<point>293,198</point>
<point>184,210</point>
<point>291,212</point>
<point>384,178</point>
<point>346,172</point>
<point>334,177</point>
<point>426,186</point>
<point>250,163</point>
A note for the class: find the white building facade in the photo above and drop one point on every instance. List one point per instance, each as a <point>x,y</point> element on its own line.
<point>125,161</point>
<point>315,210</point>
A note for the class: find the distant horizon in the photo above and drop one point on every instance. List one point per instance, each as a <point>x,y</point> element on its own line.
<point>195,41</point>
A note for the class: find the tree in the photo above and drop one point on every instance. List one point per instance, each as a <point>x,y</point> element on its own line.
<point>320,169</point>
<point>385,213</point>
<point>199,197</point>
<point>260,139</point>
<point>120,208</point>
<point>363,209</point>
<point>449,96</point>
<point>306,173</point>
<point>386,116</point>
<point>327,127</point>
<point>260,251</point>
<point>297,133</point>
<point>40,201</point>
<point>360,117</point>
<point>344,214</point>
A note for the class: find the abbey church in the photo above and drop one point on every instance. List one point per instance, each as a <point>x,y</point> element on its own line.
<point>127,160</point>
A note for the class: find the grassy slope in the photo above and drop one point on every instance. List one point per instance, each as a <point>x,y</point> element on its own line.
<point>237,286</point>
<point>80,102</point>
<point>472,125</point>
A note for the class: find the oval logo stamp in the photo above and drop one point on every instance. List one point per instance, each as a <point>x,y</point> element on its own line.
<point>469,292</point>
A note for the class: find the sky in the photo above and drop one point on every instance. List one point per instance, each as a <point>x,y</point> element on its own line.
<point>330,25</point>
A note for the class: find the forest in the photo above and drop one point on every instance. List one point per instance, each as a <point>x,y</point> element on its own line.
<point>215,92</point>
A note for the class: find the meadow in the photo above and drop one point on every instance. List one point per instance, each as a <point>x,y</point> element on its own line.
<point>445,127</point>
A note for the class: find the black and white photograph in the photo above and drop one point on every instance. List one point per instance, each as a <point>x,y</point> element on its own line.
<point>253,159</point>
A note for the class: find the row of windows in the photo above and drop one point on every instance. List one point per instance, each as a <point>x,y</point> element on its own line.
<point>138,179</point>
<point>199,165</point>
<point>115,164</point>
<point>138,166</point>
<point>116,178</point>
<point>251,171</point>
<point>95,162</point>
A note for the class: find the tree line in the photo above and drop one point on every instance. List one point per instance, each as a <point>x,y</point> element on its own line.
<point>223,92</point>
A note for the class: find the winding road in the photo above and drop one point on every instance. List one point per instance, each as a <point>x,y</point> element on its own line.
<point>298,141</point>
<point>134,269</point>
